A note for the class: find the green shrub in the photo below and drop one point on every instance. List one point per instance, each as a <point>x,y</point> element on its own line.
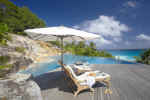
<point>20,49</point>
<point>5,66</point>
<point>4,60</point>
<point>4,36</point>
<point>5,69</point>
<point>138,59</point>
<point>144,57</point>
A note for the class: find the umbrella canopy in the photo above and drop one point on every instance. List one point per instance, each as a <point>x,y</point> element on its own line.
<point>52,33</point>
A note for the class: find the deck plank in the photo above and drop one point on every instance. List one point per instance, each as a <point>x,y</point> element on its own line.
<point>129,82</point>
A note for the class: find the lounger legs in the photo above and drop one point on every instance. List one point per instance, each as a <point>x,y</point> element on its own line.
<point>80,89</point>
<point>76,93</point>
<point>107,91</point>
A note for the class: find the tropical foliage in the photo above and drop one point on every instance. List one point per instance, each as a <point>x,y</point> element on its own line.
<point>144,57</point>
<point>4,37</point>
<point>4,60</point>
<point>4,66</point>
<point>20,49</point>
<point>83,49</point>
<point>18,18</point>
<point>14,19</point>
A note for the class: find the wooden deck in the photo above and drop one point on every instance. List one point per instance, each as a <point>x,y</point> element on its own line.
<point>129,82</point>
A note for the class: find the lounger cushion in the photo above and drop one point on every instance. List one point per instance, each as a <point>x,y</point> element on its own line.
<point>102,75</point>
<point>97,75</point>
<point>71,71</point>
<point>82,67</point>
<point>76,71</point>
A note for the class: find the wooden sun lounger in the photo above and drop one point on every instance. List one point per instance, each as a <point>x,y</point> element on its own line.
<point>103,80</point>
<point>84,87</point>
<point>75,81</point>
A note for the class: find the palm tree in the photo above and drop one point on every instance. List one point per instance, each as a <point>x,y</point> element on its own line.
<point>92,45</point>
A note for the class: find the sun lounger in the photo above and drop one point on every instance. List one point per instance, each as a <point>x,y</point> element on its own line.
<point>81,83</point>
<point>78,80</point>
<point>99,76</point>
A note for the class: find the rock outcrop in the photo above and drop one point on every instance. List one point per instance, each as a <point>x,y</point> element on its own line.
<point>20,89</point>
<point>35,50</point>
<point>23,51</point>
<point>30,51</point>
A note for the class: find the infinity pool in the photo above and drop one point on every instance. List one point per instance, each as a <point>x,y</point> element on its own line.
<point>45,67</point>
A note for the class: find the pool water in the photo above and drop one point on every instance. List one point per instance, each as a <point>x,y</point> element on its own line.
<point>42,68</point>
<point>69,59</point>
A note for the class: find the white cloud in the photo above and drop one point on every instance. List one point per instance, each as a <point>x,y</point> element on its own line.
<point>110,30</point>
<point>143,37</point>
<point>76,27</point>
<point>105,26</point>
<point>117,39</point>
<point>132,4</point>
<point>102,41</point>
<point>127,43</point>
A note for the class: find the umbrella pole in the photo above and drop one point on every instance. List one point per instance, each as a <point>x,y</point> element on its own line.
<point>62,49</point>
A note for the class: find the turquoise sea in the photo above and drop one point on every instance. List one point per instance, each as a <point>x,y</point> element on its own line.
<point>127,55</point>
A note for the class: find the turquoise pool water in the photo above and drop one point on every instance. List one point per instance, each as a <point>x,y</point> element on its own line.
<point>42,68</point>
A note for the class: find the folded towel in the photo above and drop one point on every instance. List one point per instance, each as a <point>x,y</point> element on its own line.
<point>90,81</point>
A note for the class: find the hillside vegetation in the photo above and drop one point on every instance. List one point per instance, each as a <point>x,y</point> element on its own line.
<point>82,49</point>
<point>144,57</point>
<point>15,20</point>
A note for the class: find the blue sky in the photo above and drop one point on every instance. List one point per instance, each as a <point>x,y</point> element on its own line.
<point>120,23</point>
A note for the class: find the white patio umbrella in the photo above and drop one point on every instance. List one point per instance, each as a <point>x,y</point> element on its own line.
<point>64,33</point>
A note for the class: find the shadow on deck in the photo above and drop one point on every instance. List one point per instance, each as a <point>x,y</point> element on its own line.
<point>56,80</point>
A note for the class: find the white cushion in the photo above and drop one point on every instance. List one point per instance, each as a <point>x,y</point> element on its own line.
<point>102,75</point>
<point>82,67</point>
<point>90,81</point>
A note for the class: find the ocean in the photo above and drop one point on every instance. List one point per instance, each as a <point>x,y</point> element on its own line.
<point>127,55</point>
